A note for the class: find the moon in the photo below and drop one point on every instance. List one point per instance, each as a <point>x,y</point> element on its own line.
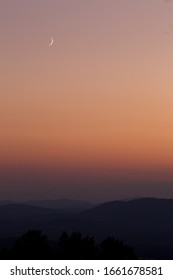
<point>51,43</point>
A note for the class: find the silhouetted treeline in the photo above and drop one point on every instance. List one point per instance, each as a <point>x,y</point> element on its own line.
<point>34,245</point>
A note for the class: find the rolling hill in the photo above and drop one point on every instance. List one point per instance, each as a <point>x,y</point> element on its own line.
<point>146,224</point>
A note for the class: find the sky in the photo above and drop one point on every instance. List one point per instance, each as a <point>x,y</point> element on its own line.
<point>91,116</point>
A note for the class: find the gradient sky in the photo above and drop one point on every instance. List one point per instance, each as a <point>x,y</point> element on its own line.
<point>92,116</point>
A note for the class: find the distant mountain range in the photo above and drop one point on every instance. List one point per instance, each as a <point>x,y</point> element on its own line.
<point>146,224</point>
<point>69,205</point>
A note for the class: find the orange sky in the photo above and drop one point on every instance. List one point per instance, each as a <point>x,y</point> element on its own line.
<point>100,97</point>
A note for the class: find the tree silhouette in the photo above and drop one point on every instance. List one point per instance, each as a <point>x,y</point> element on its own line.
<point>32,245</point>
<point>112,249</point>
<point>90,248</point>
<point>76,247</point>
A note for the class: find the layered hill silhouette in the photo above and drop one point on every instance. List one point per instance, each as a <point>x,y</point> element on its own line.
<point>146,224</point>
<point>149,218</point>
<point>69,205</point>
<point>17,218</point>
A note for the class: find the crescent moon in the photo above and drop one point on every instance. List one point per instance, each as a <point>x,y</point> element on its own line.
<point>51,43</point>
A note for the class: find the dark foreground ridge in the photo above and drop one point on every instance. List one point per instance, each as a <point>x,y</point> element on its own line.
<point>144,224</point>
<point>33,245</point>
